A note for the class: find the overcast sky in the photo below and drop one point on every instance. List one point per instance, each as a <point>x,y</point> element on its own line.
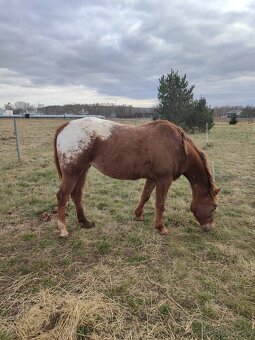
<point>81,51</point>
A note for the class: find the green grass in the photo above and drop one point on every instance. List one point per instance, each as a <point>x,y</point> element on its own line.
<point>122,280</point>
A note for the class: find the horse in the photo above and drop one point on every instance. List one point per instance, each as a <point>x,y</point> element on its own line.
<point>158,151</point>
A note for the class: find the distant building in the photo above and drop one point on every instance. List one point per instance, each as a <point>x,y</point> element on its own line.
<point>83,112</point>
<point>231,114</point>
<point>9,112</point>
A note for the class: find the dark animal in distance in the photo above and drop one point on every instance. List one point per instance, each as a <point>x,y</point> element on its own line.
<point>158,151</point>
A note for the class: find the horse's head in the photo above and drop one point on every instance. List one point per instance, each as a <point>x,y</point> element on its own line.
<point>203,208</point>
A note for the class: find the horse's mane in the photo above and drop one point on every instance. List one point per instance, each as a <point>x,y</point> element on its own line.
<point>202,156</point>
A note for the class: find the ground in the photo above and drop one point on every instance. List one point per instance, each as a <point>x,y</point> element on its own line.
<point>121,279</point>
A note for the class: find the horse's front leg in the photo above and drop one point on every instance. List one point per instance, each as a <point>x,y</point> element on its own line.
<point>146,193</point>
<point>162,187</point>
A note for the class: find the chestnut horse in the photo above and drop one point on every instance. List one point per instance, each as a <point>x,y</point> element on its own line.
<point>158,151</point>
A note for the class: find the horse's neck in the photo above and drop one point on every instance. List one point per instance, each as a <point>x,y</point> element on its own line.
<point>196,173</point>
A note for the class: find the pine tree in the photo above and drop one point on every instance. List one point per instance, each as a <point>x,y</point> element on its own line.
<point>200,114</point>
<point>176,103</point>
<point>175,97</point>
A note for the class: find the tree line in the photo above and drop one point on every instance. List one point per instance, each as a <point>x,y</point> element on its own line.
<point>176,103</point>
<point>106,110</point>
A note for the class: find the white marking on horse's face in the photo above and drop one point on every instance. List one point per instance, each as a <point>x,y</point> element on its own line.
<point>76,136</point>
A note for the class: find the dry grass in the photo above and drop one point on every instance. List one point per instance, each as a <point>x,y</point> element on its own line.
<point>51,314</point>
<point>121,280</point>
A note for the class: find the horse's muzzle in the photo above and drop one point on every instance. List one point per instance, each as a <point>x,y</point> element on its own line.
<point>207,227</point>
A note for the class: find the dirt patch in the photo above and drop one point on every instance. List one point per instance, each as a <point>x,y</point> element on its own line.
<point>46,216</point>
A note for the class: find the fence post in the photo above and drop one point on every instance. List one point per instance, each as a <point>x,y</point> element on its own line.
<point>213,171</point>
<point>206,130</point>
<point>17,138</point>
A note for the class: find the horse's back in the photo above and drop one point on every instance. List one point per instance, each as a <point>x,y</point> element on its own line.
<point>119,150</point>
<point>140,151</point>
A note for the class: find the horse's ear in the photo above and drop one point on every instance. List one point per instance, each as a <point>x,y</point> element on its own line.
<point>216,191</point>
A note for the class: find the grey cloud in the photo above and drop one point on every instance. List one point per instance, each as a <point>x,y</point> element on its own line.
<point>121,48</point>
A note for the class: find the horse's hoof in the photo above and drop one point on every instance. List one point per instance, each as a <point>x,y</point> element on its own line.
<point>63,234</point>
<point>162,230</point>
<point>87,225</point>
<point>139,218</point>
<point>62,229</point>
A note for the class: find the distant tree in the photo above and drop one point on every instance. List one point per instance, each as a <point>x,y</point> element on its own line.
<point>8,106</point>
<point>31,107</point>
<point>248,112</point>
<point>175,97</point>
<point>233,119</point>
<point>39,107</point>
<point>177,105</point>
<point>199,115</point>
<point>24,106</point>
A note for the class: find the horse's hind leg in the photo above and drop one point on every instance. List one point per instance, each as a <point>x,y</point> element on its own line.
<point>77,198</point>
<point>147,190</point>
<point>67,185</point>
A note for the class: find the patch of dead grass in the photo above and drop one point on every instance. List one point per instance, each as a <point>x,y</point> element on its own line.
<point>121,280</point>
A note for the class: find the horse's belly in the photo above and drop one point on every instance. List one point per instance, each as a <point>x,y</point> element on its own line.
<point>118,172</point>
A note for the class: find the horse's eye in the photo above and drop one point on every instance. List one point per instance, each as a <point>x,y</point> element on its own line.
<point>214,206</point>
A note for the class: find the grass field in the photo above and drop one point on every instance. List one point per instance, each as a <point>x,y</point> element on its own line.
<point>121,279</point>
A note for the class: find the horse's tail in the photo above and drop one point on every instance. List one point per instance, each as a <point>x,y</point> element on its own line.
<point>59,129</point>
